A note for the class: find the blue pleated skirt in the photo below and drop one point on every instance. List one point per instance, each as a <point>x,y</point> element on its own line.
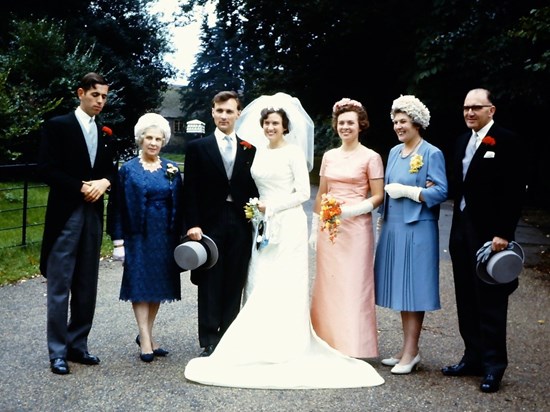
<point>406,265</point>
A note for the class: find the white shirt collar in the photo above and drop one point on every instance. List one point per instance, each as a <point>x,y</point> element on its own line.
<point>220,135</point>
<point>481,133</point>
<point>83,116</point>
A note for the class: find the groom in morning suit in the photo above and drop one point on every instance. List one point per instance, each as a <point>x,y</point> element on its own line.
<point>489,187</point>
<point>216,186</point>
<point>77,166</point>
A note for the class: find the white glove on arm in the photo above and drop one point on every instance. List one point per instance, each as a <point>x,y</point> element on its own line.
<point>365,206</point>
<point>314,231</point>
<point>379,224</point>
<point>118,250</point>
<point>397,190</point>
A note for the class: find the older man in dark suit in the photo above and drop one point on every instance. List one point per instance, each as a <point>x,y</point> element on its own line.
<point>217,184</point>
<point>75,162</point>
<point>488,187</point>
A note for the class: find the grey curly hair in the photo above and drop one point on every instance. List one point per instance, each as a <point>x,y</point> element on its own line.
<point>152,120</point>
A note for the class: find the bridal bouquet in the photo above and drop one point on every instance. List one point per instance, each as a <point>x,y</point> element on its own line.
<point>251,210</point>
<point>253,214</point>
<point>330,215</point>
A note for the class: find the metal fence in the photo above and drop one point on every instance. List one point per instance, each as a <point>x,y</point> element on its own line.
<point>19,180</point>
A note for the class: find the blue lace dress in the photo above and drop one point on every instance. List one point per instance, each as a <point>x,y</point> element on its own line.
<point>148,218</point>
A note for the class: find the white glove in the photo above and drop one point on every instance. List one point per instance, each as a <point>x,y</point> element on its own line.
<point>118,250</point>
<point>314,231</point>
<point>397,190</point>
<point>379,223</point>
<point>365,206</point>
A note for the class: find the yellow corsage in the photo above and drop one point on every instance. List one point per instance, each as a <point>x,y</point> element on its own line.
<point>416,163</point>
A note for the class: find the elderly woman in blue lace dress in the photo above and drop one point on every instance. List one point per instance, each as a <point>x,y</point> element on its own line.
<point>147,226</point>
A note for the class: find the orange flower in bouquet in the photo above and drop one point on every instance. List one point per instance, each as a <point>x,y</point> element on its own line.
<point>330,215</point>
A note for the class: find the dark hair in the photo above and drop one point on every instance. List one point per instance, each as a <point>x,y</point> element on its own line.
<point>225,96</point>
<point>362,116</point>
<point>419,127</point>
<point>90,80</point>
<point>281,112</point>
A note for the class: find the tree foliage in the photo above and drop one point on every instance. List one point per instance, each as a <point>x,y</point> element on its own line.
<point>64,39</point>
<point>376,50</point>
<point>29,91</point>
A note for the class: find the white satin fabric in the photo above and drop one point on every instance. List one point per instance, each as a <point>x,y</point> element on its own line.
<point>271,344</point>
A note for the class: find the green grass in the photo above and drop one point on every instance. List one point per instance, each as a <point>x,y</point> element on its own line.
<point>176,157</point>
<point>11,218</point>
<point>18,261</point>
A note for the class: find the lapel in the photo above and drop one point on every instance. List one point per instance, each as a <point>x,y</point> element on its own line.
<point>240,158</point>
<point>480,153</point>
<point>392,159</point>
<point>213,152</point>
<point>74,130</point>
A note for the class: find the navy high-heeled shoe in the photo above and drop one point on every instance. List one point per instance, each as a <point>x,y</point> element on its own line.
<point>147,357</point>
<point>156,352</point>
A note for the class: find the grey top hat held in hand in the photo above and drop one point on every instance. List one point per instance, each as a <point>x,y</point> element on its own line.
<point>196,254</point>
<point>499,267</point>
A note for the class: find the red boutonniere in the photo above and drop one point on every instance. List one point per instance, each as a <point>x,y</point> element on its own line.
<point>107,131</point>
<point>246,145</point>
<point>488,140</point>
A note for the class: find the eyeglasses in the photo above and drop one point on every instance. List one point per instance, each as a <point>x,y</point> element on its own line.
<point>476,107</point>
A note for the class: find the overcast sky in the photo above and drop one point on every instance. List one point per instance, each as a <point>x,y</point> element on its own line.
<point>185,40</point>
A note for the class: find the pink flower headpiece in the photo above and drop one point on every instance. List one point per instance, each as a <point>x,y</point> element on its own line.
<point>345,102</point>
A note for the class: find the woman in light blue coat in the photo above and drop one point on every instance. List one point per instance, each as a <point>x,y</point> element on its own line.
<point>406,264</point>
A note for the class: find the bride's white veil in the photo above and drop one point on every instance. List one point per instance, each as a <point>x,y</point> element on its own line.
<point>300,124</point>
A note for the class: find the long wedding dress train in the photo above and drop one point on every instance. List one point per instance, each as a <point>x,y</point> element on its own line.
<point>271,344</point>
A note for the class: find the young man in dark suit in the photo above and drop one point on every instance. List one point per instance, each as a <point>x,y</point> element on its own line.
<point>75,162</point>
<point>216,186</point>
<point>489,187</point>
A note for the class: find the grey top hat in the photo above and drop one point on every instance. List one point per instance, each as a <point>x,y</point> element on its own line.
<point>499,267</point>
<point>196,254</point>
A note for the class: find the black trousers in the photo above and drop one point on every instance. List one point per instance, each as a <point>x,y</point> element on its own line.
<point>482,308</point>
<point>73,266</point>
<point>220,287</point>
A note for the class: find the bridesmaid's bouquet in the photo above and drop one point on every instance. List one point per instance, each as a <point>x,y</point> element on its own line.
<point>330,215</point>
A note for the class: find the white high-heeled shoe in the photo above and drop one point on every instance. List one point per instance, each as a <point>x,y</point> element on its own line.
<point>408,368</point>
<point>390,361</point>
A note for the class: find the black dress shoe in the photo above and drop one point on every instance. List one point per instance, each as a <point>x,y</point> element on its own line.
<point>59,366</point>
<point>156,352</point>
<point>207,351</point>
<point>490,383</point>
<point>82,357</point>
<point>462,369</point>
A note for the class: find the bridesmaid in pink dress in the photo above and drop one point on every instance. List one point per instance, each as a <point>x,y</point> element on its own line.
<point>342,308</point>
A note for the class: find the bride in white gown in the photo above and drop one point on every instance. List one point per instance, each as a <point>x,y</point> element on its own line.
<point>271,344</point>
